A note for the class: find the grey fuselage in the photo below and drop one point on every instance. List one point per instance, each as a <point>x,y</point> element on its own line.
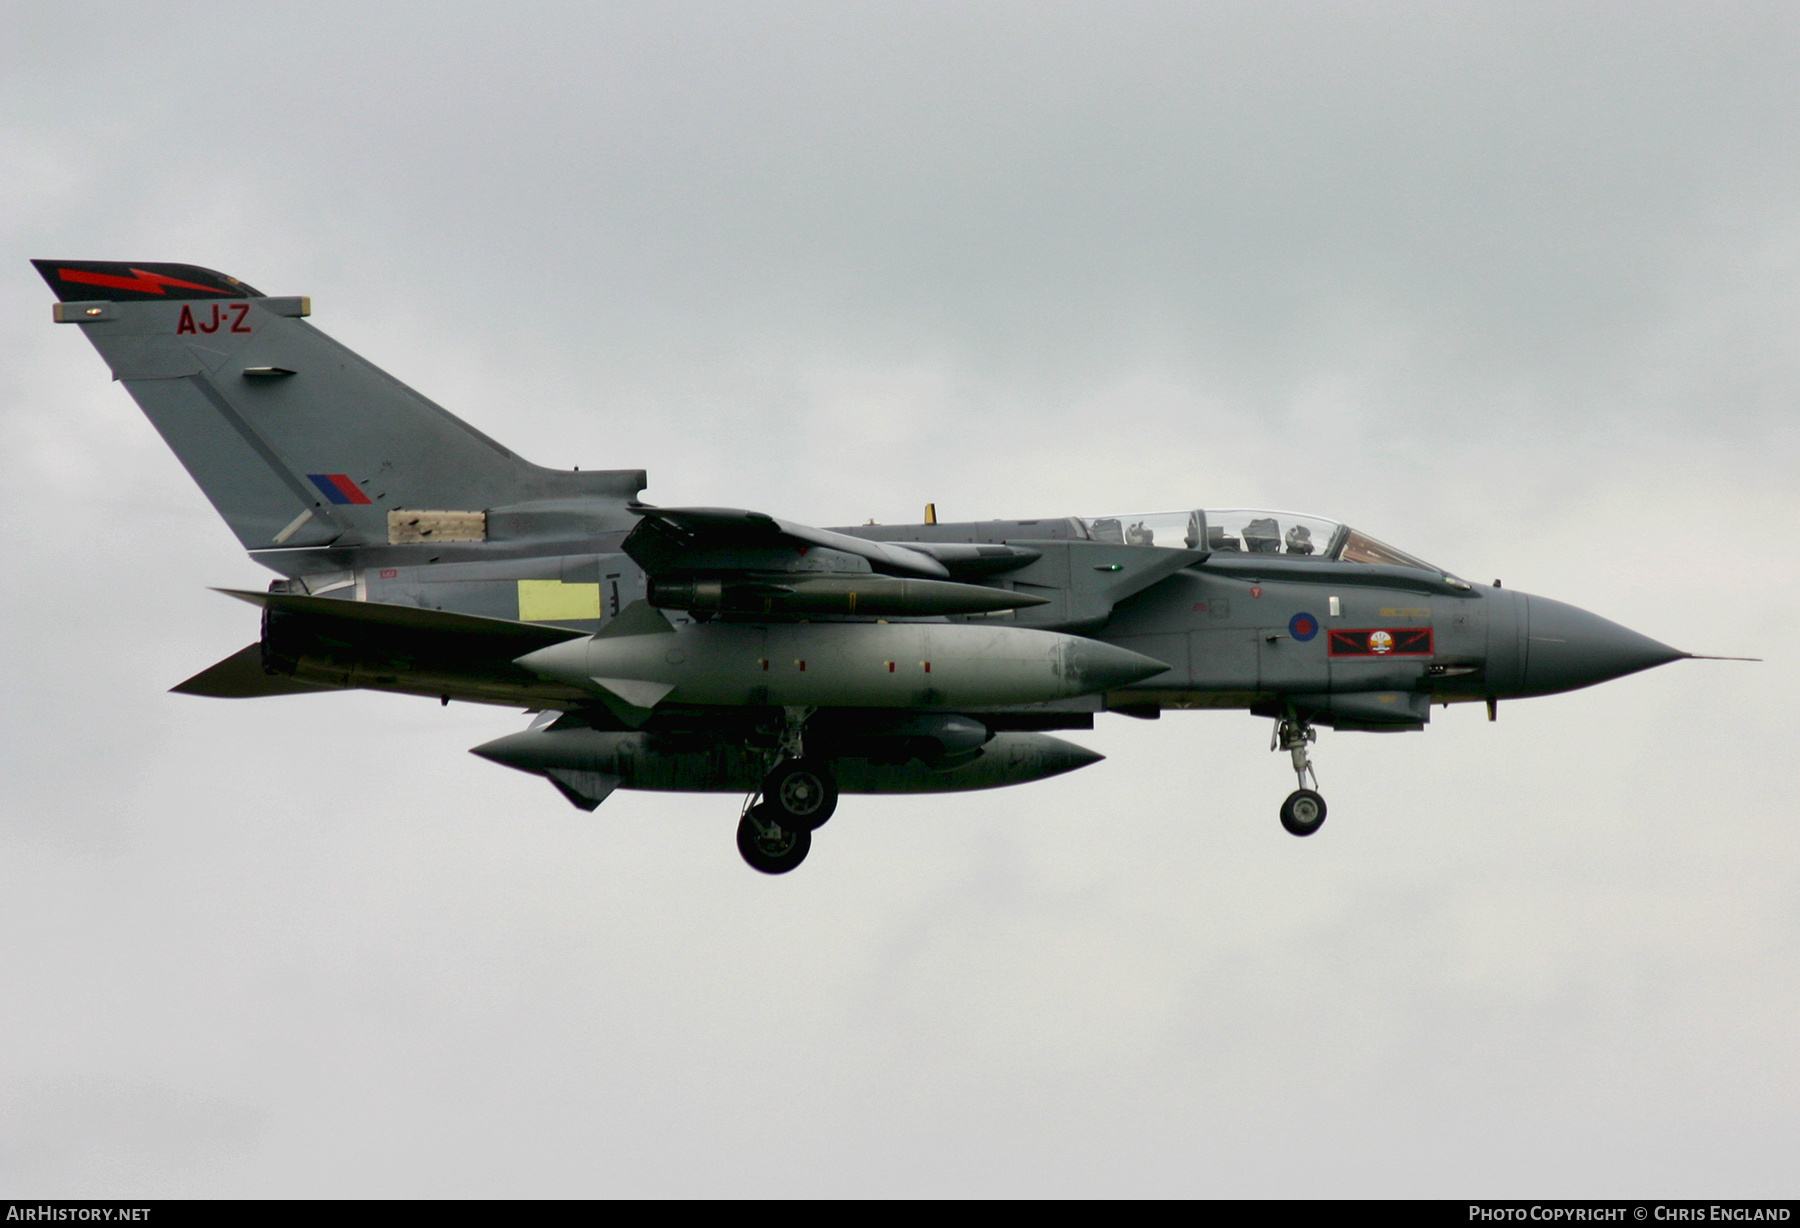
<point>1223,623</point>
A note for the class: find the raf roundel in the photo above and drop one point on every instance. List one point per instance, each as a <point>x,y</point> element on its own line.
<point>1303,627</point>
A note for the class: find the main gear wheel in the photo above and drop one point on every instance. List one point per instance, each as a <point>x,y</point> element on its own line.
<point>800,793</point>
<point>768,846</point>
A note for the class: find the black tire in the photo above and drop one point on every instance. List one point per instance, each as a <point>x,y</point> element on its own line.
<point>1303,813</point>
<point>772,853</point>
<point>801,793</point>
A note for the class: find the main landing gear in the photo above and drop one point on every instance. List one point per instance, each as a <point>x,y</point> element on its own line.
<point>1304,811</point>
<point>797,797</point>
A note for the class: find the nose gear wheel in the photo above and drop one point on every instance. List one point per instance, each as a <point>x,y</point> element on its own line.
<point>1303,813</point>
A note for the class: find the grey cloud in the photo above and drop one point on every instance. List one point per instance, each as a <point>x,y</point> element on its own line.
<point>1509,285</point>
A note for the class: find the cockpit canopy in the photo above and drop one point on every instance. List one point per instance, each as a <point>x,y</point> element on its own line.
<point>1251,531</point>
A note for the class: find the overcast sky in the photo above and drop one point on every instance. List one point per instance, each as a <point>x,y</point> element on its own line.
<point>1515,287</point>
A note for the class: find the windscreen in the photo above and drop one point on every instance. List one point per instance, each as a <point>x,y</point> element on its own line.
<point>1359,547</point>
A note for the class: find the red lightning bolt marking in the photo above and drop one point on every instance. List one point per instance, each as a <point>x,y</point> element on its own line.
<point>144,282</point>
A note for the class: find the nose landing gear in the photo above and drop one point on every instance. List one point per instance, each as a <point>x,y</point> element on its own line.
<point>1303,813</point>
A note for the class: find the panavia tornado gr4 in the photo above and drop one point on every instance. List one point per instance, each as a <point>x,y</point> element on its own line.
<point>717,650</point>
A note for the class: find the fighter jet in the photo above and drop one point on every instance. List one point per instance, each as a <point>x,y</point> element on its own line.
<point>723,650</point>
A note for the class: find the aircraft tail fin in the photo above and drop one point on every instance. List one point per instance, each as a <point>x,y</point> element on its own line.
<point>296,440</point>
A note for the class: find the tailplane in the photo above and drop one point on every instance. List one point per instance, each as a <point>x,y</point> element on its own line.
<point>297,441</point>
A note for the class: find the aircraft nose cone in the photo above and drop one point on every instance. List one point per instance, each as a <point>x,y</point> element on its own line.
<point>1566,647</point>
<point>1102,667</point>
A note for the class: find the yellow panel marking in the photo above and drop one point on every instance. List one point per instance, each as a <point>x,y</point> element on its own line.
<point>1406,611</point>
<point>552,601</point>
